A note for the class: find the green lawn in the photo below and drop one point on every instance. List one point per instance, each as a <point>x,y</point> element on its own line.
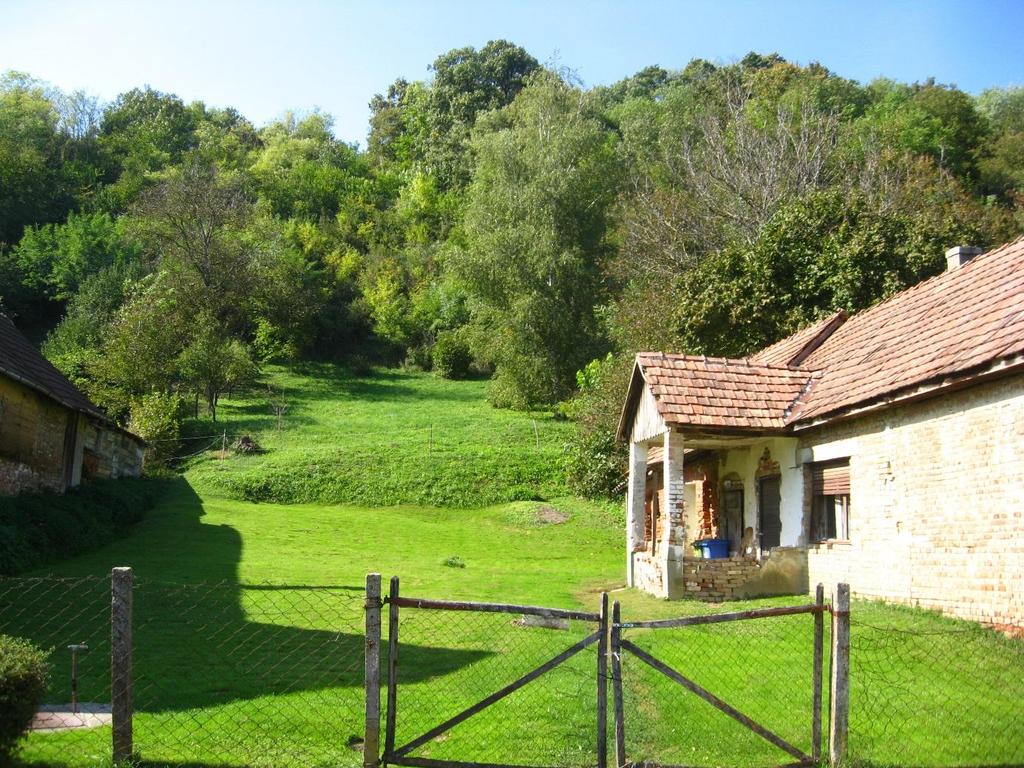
<point>398,437</point>
<point>232,668</point>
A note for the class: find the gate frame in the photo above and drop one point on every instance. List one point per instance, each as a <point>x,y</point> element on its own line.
<point>393,755</point>
<point>840,665</point>
<point>610,646</point>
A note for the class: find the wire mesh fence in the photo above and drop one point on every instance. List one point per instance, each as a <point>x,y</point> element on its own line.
<point>223,673</point>
<point>450,661</point>
<point>227,674</point>
<point>256,675</point>
<point>927,690</point>
<point>70,620</point>
<point>762,668</point>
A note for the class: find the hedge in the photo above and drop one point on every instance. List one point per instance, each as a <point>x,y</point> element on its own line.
<point>38,528</point>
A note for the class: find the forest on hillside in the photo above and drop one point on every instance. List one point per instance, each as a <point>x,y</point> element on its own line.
<point>502,220</point>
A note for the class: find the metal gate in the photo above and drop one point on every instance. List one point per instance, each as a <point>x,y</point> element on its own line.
<point>620,647</point>
<point>607,638</point>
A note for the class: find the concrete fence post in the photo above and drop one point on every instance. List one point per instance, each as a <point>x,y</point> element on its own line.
<point>840,698</point>
<point>371,740</point>
<point>121,663</point>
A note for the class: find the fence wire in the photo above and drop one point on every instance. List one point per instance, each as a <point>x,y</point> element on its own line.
<point>926,690</point>
<point>761,667</point>
<point>255,675</point>
<point>264,675</point>
<point>449,661</point>
<point>55,613</point>
<point>224,674</point>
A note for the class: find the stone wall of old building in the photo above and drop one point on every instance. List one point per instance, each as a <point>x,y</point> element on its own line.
<point>33,433</point>
<point>936,503</point>
<point>111,453</point>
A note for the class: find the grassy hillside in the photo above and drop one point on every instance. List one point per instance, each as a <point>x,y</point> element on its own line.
<point>396,437</point>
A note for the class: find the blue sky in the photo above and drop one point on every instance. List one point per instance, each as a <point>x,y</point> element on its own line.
<point>266,57</point>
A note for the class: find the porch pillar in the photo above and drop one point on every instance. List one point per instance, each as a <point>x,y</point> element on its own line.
<point>635,498</point>
<point>673,534</point>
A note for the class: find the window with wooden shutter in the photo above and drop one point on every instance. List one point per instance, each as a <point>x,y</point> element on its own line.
<point>830,500</point>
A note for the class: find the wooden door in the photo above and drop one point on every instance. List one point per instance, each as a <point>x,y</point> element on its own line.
<point>769,518</point>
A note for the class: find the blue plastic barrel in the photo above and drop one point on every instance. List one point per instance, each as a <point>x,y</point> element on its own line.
<point>715,548</point>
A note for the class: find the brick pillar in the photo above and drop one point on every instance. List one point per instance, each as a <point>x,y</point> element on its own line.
<point>635,497</point>
<point>673,536</point>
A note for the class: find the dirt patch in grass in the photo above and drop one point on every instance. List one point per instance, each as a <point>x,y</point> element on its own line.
<point>548,515</point>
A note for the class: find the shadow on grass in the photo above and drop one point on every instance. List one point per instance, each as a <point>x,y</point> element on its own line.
<point>201,638</point>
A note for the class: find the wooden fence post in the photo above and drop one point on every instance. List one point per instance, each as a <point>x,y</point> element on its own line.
<point>819,652</point>
<point>371,738</point>
<point>121,663</point>
<point>389,725</point>
<point>840,710</point>
<point>602,685</point>
<point>620,728</point>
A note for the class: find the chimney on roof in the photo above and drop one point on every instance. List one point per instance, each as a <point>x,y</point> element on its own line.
<point>959,255</point>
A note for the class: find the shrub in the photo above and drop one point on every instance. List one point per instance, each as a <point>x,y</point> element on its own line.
<point>23,675</point>
<point>454,562</point>
<point>37,528</point>
<point>451,356</point>
<point>156,418</point>
<point>596,462</point>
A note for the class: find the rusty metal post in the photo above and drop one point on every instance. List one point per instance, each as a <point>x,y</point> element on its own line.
<point>602,685</point>
<point>121,663</point>
<point>371,737</point>
<point>392,711</point>
<point>620,727</point>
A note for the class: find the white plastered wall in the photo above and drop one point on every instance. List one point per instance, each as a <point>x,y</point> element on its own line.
<point>745,462</point>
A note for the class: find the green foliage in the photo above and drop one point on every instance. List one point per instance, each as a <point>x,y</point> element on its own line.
<point>24,673</point>
<point>830,251</point>
<point>40,528</point>
<point>304,172</point>
<point>212,364</point>
<point>454,561</point>
<point>451,356</point>
<point>143,131</point>
<point>76,342</point>
<point>439,119</point>
<point>596,462</point>
<point>30,157</point>
<point>56,259</point>
<point>156,418</point>
<point>536,230</point>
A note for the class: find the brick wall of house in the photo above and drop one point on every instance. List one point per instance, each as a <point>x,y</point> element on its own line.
<point>32,436</point>
<point>937,504</point>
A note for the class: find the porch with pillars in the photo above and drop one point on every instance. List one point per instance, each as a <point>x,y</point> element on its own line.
<point>670,505</point>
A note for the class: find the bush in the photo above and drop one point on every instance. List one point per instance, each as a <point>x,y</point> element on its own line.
<point>156,418</point>
<point>37,528</point>
<point>451,356</point>
<point>23,678</point>
<point>596,462</point>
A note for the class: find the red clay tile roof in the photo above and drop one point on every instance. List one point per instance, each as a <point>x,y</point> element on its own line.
<point>963,319</point>
<point>953,325</point>
<point>23,362</point>
<point>792,350</point>
<point>719,392</point>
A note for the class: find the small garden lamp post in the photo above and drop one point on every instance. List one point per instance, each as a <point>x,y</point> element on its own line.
<point>75,650</point>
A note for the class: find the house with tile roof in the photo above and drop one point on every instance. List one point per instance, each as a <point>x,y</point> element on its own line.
<point>883,449</point>
<point>51,435</point>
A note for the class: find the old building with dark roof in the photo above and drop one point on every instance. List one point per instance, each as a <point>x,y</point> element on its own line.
<point>883,449</point>
<point>51,435</point>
